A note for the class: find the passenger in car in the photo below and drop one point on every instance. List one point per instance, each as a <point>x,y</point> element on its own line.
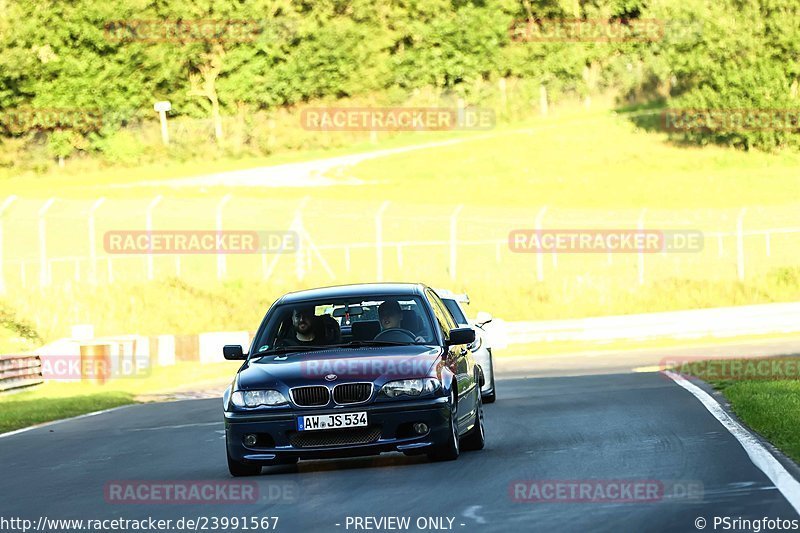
<point>303,330</point>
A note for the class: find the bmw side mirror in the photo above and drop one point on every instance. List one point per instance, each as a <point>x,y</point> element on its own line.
<point>461,336</point>
<point>233,352</point>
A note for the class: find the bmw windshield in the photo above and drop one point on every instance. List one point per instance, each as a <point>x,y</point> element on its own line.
<point>345,322</point>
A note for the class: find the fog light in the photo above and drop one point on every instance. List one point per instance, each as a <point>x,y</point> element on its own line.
<point>250,440</point>
<point>420,428</point>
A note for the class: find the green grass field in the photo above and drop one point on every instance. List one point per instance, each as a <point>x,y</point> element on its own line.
<point>591,169</point>
<point>771,407</point>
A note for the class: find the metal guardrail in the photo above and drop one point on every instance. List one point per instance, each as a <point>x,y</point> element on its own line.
<point>19,371</point>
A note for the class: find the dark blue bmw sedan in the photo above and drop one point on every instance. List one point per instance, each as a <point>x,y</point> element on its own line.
<point>353,370</point>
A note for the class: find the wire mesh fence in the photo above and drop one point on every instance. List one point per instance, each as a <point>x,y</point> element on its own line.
<point>57,241</point>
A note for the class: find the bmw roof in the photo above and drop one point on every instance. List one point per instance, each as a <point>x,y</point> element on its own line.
<point>359,289</point>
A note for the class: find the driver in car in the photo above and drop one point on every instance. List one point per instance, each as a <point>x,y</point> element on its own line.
<point>390,316</point>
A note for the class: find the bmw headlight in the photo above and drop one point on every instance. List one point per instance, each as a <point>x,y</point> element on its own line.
<point>410,387</point>
<point>255,398</point>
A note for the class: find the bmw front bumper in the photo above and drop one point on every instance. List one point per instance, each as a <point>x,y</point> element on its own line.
<point>390,429</point>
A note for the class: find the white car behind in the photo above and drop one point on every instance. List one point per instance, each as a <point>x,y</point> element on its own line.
<point>481,349</point>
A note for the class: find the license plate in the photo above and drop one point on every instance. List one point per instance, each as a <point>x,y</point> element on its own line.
<point>336,421</point>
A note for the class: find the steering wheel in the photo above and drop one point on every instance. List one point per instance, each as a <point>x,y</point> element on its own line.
<point>396,335</point>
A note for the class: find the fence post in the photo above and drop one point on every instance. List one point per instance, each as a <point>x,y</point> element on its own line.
<point>221,260</point>
<point>43,277</point>
<point>740,243</point>
<point>539,259</point>
<point>149,228</point>
<point>640,225</point>
<point>297,226</point>
<point>379,240</point>
<point>92,244</point>
<point>454,240</point>
<point>6,204</point>
<point>543,100</point>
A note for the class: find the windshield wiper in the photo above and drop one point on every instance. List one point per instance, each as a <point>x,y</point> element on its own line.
<point>359,344</point>
<point>289,349</point>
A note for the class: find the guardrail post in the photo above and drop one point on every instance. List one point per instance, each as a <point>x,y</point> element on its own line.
<point>6,204</point>
<point>43,267</point>
<point>149,228</point>
<point>297,226</point>
<point>379,240</point>
<point>767,242</point>
<point>640,226</point>
<point>454,240</point>
<point>539,259</point>
<point>740,243</point>
<point>92,244</point>
<point>221,260</point>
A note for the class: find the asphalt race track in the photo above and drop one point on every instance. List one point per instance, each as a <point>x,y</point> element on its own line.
<point>639,426</point>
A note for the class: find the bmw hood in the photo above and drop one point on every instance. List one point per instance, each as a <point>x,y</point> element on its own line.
<point>377,364</point>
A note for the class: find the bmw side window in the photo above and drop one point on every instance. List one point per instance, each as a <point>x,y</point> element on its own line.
<point>441,318</point>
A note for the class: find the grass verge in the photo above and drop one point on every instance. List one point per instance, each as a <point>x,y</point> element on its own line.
<point>18,413</point>
<point>55,401</point>
<point>770,407</point>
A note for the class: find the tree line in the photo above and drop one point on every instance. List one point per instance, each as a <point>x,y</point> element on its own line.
<point>217,58</point>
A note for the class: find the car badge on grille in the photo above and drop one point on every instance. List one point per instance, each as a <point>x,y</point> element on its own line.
<point>331,377</point>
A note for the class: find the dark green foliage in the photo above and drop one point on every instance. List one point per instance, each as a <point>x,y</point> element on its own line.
<point>77,55</point>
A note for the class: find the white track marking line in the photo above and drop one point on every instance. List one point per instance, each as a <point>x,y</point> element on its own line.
<point>181,426</point>
<point>761,457</point>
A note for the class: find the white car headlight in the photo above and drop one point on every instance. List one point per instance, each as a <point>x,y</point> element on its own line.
<point>255,398</point>
<point>410,387</point>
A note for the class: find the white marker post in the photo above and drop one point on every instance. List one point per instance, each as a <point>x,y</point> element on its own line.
<point>44,277</point>
<point>92,244</point>
<point>539,261</point>
<point>379,240</point>
<point>222,266</point>
<point>740,244</point>
<point>162,108</point>
<point>6,204</point>
<point>454,240</point>
<point>149,228</point>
